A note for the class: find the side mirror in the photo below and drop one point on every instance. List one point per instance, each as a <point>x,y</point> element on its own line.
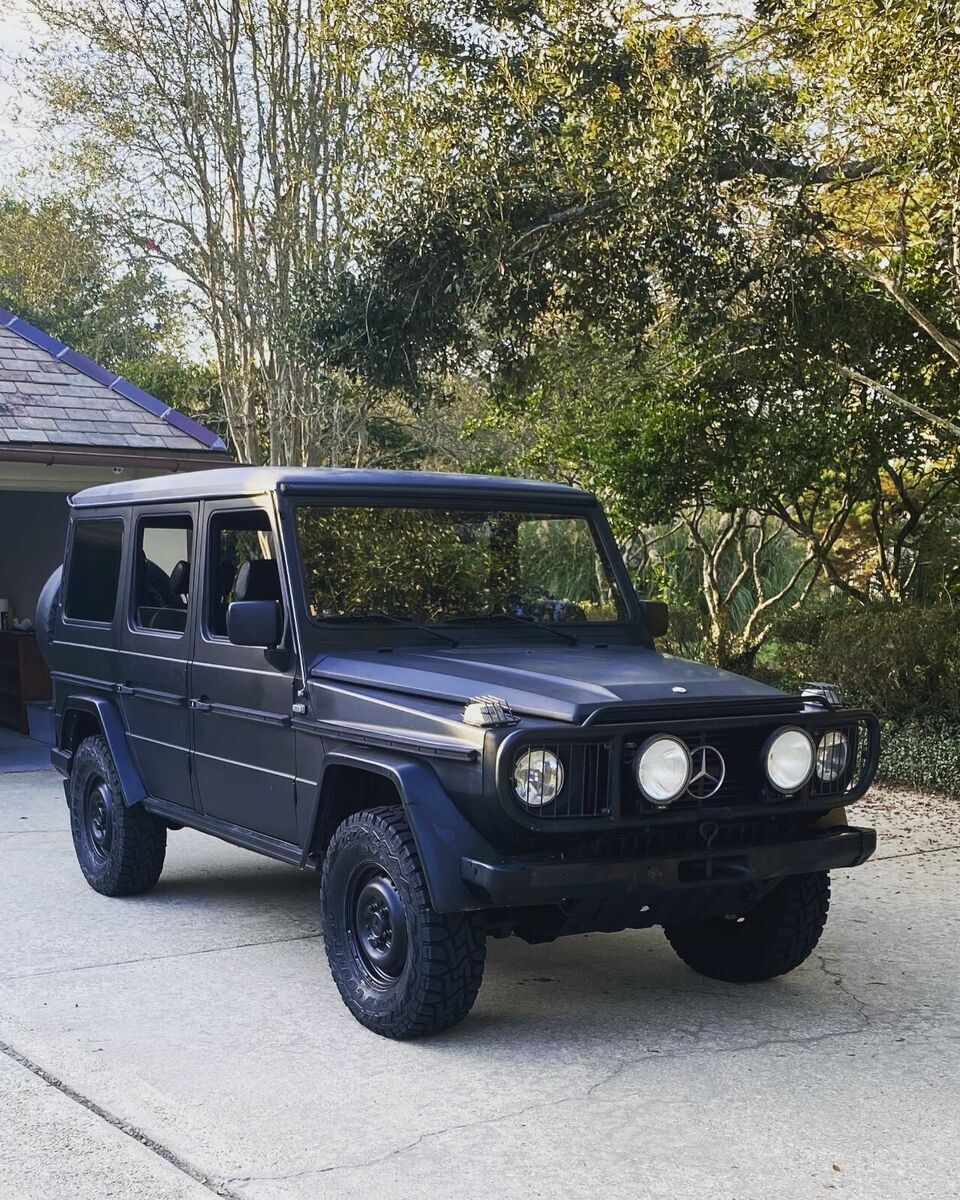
<point>254,623</point>
<point>658,617</point>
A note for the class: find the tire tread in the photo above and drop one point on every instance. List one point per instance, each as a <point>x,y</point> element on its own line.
<point>452,946</point>
<point>140,837</point>
<point>781,934</point>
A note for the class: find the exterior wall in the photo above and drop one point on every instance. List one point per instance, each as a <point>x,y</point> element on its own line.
<point>33,528</point>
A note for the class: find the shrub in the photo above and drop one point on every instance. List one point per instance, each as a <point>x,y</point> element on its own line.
<point>901,661</point>
<point>924,756</point>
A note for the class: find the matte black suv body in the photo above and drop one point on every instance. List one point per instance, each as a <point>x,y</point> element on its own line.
<point>211,692</point>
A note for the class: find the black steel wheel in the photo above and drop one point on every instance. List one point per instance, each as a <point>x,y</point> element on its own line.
<point>98,816</point>
<point>403,969</point>
<point>772,939</point>
<point>120,849</point>
<point>375,920</point>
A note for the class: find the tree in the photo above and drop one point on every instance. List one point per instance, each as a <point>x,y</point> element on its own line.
<point>60,270</point>
<point>247,139</point>
<point>628,233</point>
<point>879,98</point>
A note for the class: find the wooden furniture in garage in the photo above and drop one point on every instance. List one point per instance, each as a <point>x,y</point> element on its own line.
<point>23,677</point>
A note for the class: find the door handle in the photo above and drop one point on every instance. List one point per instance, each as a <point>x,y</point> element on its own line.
<point>201,706</point>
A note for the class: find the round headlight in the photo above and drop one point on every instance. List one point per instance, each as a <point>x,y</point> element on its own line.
<point>833,753</point>
<point>537,777</point>
<point>662,767</point>
<point>789,759</point>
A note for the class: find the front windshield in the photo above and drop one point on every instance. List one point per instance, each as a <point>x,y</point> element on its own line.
<point>432,566</point>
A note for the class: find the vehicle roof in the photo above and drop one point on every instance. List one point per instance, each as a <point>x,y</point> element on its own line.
<point>328,481</point>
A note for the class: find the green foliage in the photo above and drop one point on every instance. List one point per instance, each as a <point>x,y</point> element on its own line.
<point>437,565</point>
<point>638,239</point>
<point>60,270</point>
<point>672,570</point>
<point>901,661</point>
<point>923,755</point>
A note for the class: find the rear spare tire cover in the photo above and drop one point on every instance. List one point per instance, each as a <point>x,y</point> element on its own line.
<point>46,617</point>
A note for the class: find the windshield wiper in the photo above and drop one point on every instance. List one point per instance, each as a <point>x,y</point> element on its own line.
<point>530,622</point>
<point>379,618</point>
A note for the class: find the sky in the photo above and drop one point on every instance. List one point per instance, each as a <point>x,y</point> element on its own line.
<point>16,136</point>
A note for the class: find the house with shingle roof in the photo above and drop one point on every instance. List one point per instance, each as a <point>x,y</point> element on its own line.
<point>68,423</point>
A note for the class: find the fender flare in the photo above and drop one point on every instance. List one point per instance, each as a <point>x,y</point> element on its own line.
<point>442,834</point>
<point>115,734</point>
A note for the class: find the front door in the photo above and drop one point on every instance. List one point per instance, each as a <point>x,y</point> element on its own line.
<point>241,696</point>
<point>154,653</point>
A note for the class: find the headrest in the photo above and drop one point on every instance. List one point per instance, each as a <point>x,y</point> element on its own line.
<point>180,578</point>
<point>257,579</point>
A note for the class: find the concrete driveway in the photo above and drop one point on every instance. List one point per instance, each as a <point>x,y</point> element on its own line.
<point>191,1043</point>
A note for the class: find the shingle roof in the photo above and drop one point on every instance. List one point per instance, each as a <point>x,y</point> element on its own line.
<point>50,394</point>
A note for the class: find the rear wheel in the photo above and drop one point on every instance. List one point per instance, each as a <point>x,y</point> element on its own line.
<point>777,936</point>
<point>403,969</point>
<point>120,849</point>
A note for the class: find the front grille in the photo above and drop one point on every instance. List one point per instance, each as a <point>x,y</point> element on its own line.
<point>600,783</point>
<point>743,781</point>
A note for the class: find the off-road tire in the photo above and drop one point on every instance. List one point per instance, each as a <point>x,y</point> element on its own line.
<point>126,858</point>
<point>437,977</point>
<point>777,936</point>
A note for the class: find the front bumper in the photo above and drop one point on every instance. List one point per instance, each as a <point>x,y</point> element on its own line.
<point>521,882</point>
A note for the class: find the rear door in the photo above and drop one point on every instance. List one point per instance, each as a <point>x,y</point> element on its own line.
<point>241,697</point>
<point>155,648</point>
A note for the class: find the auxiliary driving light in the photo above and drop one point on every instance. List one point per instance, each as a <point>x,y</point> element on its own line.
<point>662,768</point>
<point>833,753</point>
<point>537,777</point>
<point>788,759</point>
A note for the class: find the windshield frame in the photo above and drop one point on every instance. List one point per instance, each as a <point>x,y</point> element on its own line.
<point>376,632</point>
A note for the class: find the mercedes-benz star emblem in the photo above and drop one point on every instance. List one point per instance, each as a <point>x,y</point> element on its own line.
<point>709,771</point>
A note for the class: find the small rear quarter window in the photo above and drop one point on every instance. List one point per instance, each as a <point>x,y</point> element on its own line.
<point>94,571</point>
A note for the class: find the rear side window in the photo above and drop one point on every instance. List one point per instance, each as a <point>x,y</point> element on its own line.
<point>94,571</point>
<point>161,573</point>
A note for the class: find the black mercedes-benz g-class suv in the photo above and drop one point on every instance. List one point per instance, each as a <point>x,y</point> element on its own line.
<point>442,692</point>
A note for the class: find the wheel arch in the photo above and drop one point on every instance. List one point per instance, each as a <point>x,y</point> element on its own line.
<point>442,834</point>
<point>93,716</point>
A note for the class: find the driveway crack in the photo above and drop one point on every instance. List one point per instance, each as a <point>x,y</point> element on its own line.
<point>125,1127</point>
<point>862,1018</point>
<point>125,962</point>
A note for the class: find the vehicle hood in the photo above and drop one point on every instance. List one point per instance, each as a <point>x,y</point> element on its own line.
<point>562,683</point>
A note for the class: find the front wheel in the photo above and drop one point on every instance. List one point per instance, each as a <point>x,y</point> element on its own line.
<point>403,969</point>
<point>777,936</point>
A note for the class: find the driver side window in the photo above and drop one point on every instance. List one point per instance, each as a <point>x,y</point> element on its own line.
<point>242,564</point>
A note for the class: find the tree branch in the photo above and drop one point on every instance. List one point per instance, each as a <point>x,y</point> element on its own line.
<point>899,401</point>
